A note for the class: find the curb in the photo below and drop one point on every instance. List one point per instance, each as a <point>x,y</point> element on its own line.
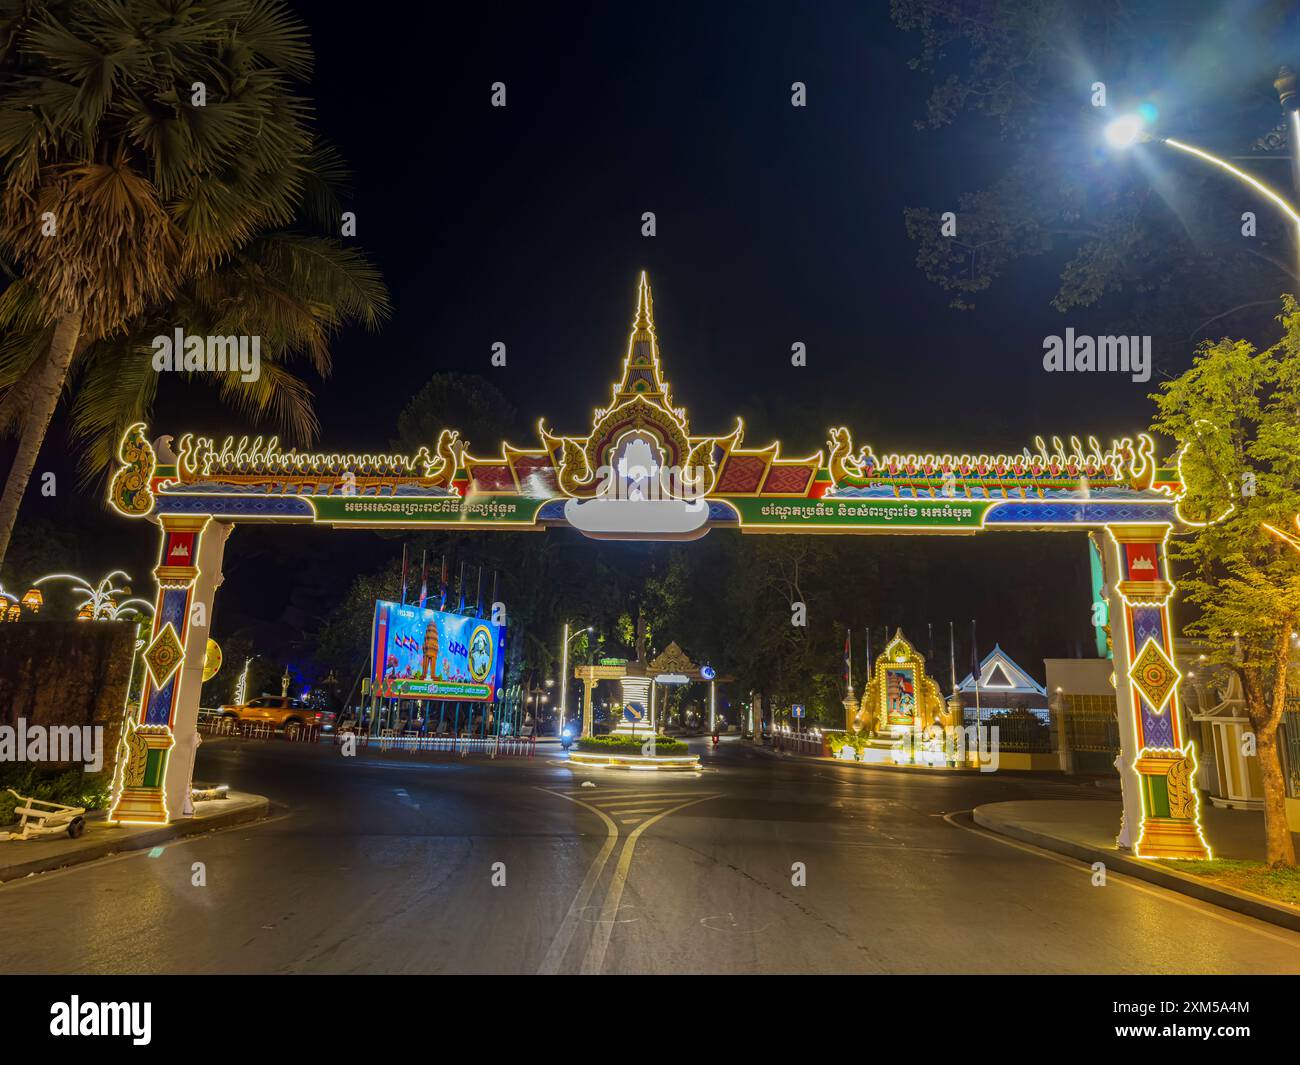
<point>892,767</point>
<point>1242,902</point>
<point>257,810</point>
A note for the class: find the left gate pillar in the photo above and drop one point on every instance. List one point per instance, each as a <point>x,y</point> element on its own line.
<point>156,770</point>
<point>1157,763</point>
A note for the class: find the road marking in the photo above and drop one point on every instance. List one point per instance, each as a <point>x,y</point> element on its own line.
<point>1079,866</point>
<point>594,960</point>
<point>564,935</point>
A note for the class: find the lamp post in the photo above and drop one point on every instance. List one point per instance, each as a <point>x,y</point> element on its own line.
<point>564,669</point>
<point>1285,84</point>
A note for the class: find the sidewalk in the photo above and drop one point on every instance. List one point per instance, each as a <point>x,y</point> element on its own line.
<point>23,858</point>
<point>1086,830</point>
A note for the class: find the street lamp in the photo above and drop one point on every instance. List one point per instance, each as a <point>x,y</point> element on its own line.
<point>564,669</point>
<point>1128,130</point>
<point>1125,131</point>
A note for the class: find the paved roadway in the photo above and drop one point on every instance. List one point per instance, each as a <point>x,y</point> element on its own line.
<point>385,864</point>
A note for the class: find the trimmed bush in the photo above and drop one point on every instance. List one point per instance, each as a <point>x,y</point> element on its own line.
<point>629,744</point>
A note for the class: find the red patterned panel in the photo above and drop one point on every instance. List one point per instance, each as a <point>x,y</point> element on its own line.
<point>493,479</point>
<point>539,468</point>
<point>789,479</point>
<point>742,474</point>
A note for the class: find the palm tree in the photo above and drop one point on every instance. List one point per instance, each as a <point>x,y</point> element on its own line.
<point>143,144</point>
<point>292,289</point>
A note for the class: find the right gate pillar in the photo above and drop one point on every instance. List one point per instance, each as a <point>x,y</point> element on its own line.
<point>1156,763</point>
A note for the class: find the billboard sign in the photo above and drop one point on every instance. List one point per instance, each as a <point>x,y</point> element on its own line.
<point>429,654</point>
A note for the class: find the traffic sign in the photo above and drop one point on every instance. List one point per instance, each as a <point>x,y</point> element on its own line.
<point>796,710</point>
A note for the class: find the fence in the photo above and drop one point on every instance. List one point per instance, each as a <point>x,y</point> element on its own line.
<point>797,742</point>
<point>1090,723</point>
<point>213,723</point>
<point>491,746</point>
<point>1291,746</point>
<point>1018,730</point>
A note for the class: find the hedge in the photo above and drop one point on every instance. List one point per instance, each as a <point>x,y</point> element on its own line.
<point>629,744</point>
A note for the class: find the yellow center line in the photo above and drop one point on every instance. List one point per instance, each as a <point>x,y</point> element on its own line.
<point>594,960</point>
<point>564,935</point>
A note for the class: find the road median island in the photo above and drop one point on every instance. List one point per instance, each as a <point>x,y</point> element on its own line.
<point>1085,830</point>
<point>19,859</point>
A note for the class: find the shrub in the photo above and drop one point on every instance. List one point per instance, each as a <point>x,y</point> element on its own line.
<point>71,787</point>
<point>629,744</point>
<point>837,740</point>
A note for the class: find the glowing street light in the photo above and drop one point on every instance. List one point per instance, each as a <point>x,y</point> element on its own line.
<point>1125,131</point>
<point>1128,130</point>
<point>9,608</point>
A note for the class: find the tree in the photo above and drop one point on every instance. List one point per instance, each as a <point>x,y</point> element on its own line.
<point>1162,249</point>
<point>1236,416</point>
<point>142,143</point>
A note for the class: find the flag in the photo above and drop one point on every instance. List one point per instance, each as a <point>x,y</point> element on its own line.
<point>478,593</point>
<point>424,578</point>
<point>974,655</point>
<point>848,659</point>
<point>460,609</point>
<point>442,585</point>
<point>403,575</point>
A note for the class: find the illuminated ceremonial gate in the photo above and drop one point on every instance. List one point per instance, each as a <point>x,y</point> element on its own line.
<point>641,473</point>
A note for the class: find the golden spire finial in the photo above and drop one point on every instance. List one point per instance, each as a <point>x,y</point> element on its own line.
<point>645,314</point>
<point>641,371</point>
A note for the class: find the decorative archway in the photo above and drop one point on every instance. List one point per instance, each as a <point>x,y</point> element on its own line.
<point>697,483</point>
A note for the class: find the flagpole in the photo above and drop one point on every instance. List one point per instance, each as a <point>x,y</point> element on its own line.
<point>952,657</point>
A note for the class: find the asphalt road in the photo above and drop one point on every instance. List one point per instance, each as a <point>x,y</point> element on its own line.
<point>385,863</point>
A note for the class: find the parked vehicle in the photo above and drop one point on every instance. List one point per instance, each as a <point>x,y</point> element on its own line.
<point>280,712</point>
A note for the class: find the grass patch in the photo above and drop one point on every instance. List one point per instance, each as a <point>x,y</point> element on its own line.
<point>1279,885</point>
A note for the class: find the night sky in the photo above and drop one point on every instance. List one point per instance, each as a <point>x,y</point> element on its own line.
<point>775,224</point>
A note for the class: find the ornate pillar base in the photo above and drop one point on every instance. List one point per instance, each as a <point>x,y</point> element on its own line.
<point>140,799</point>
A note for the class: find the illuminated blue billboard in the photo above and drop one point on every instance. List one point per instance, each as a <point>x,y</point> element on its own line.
<point>429,654</point>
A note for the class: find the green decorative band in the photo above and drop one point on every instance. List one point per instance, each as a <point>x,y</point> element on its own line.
<point>451,510</point>
<point>862,513</point>
<point>435,689</point>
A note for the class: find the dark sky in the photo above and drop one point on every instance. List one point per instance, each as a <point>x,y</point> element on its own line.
<point>775,224</point>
